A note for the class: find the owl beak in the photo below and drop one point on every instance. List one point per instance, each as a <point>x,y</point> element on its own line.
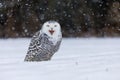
<point>51,31</point>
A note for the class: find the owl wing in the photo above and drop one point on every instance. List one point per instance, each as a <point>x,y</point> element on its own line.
<point>34,41</point>
<point>56,47</point>
<point>33,47</point>
<point>39,47</point>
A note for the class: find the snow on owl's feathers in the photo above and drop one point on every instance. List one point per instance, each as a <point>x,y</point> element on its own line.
<point>45,42</point>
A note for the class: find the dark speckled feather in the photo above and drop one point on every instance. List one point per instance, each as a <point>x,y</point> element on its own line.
<point>41,48</point>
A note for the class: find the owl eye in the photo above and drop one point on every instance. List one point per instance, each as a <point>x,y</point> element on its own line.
<point>55,25</point>
<point>47,25</point>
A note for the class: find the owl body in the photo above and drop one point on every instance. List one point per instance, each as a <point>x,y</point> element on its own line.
<point>44,43</point>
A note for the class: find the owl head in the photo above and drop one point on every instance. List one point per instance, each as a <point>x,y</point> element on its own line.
<point>51,28</point>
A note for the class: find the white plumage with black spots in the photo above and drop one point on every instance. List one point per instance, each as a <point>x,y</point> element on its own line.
<point>45,42</point>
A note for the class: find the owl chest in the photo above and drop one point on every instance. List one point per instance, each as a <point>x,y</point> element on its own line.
<point>45,45</point>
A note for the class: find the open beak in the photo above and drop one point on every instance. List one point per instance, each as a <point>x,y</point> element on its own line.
<point>51,31</point>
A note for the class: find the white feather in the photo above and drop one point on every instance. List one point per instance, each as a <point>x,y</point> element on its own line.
<point>56,27</point>
<point>45,42</point>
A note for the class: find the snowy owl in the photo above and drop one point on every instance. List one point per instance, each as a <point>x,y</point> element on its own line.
<point>45,42</point>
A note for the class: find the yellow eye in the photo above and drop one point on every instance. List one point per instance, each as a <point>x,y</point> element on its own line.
<point>47,25</point>
<point>55,25</point>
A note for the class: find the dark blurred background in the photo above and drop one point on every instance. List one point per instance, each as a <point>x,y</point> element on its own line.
<point>78,18</point>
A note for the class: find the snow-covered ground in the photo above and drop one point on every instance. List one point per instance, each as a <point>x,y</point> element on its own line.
<point>77,59</point>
